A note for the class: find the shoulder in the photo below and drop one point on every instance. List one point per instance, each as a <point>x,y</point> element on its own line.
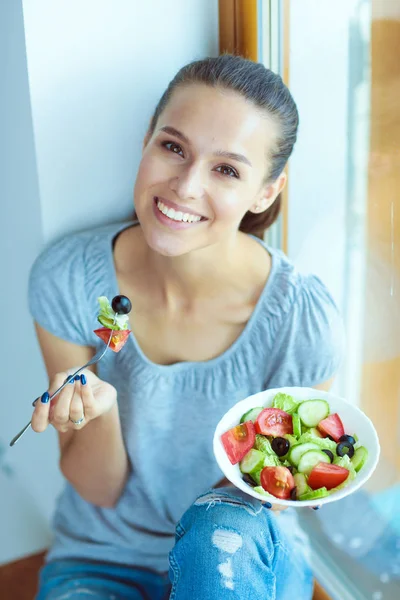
<point>66,278</point>
<point>295,292</point>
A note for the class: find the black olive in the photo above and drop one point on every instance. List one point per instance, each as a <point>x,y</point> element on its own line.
<point>347,438</point>
<point>345,448</point>
<point>291,469</point>
<point>280,446</point>
<point>247,479</point>
<point>330,454</point>
<point>121,305</point>
<point>293,494</point>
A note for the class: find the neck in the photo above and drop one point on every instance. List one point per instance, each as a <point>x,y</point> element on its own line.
<point>198,274</point>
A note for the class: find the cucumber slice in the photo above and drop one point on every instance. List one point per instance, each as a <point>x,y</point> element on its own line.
<point>271,461</point>
<point>251,415</point>
<point>256,475</point>
<point>260,490</point>
<point>359,458</point>
<point>310,459</point>
<point>284,402</point>
<point>324,443</point>
<point>311,412</point>
<point>253,461</point>
<point>296,425</point>
<point>106,322</point>
<point>314,494</point>
<point>297,452</point>
<point>301,484</point>
<point>263,444</point>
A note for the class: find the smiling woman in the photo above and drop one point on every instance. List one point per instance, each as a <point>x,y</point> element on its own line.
<point>216,316</point>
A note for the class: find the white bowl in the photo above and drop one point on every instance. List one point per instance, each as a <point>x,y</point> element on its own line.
<point>354,421</point>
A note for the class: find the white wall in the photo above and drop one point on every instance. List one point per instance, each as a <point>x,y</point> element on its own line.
<point>27,468</point>
<point>96,71</point>
<point>69,154</point>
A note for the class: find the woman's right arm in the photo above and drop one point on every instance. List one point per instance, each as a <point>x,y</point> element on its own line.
<point>93,457</point>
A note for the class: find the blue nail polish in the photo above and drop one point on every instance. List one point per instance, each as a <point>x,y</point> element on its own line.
<point>267,504</point>
<point>71,380</point>
<point>316,507</point>
<point>45,398</point>
<point>77,378</point>
<point>83,379</point>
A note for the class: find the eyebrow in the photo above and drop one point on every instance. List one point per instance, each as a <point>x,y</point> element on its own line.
<point>230,155</point>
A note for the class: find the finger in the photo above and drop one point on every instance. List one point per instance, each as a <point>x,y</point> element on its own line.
<point>87,396</point>
<point>59,413</point>
<point>40,417</point>
<point>76,409</point>
<point>315,507</point>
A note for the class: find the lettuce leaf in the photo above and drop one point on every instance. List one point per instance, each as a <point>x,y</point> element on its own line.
<point>284,402</point>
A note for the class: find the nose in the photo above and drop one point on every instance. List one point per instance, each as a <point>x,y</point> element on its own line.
<point>188,183</point>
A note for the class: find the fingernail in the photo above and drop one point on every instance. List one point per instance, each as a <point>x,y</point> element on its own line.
<point>77,378</point>
<point>83,379</point>
<point>316,507</point>
<point>45,398</point>
<point>267,504</point>
<point>71,380</point>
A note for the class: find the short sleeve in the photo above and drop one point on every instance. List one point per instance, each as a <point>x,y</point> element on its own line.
<point>56,290</point>
<point>317,334</point>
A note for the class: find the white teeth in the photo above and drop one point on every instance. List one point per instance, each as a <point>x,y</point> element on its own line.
<point>177,215</point>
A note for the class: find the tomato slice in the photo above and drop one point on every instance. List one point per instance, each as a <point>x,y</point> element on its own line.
<point>278,481</point>
<point>118,339</point>
<point>332,426</point>
<point>327,475</point>
<point>274,421</point>
<point>238,441</point>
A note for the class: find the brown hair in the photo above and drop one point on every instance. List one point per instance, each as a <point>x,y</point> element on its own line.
<point>267,91</point>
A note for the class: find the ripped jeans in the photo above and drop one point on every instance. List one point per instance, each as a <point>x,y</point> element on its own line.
<point>228,546</point>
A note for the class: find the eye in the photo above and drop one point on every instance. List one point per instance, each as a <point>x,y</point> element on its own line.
<point>172,147</point>
<point>228,171</point>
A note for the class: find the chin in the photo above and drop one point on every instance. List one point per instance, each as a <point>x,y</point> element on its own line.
<point>165,244</point>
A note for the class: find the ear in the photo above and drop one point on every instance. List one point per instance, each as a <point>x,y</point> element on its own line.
<point>269,194</point>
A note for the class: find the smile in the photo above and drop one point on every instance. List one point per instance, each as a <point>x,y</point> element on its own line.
<point>176,215</point>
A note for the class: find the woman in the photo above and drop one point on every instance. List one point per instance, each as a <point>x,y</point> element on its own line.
<point>216,316</point>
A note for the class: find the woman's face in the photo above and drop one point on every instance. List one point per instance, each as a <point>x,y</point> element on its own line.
<point>202,169</point>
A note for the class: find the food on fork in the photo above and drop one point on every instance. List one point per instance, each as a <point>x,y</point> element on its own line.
<point>114,318</point>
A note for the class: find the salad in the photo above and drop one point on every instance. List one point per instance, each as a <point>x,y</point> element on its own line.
<point>294,450</point>
<point>115,320</point>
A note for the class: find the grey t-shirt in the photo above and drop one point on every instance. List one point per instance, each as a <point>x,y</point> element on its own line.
<point>169,413</point>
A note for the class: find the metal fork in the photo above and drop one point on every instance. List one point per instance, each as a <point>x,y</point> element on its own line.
<point>92,361</point>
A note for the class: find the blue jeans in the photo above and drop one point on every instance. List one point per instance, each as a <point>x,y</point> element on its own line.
<point>228,546</point>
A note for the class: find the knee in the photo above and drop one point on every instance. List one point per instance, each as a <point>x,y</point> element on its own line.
<point>229,518</point>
